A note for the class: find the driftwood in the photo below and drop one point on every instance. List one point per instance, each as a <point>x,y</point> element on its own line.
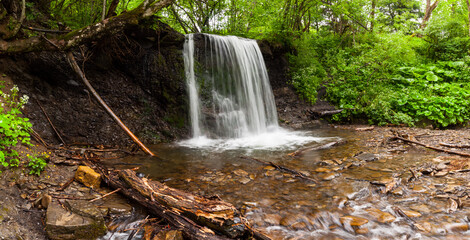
<point>198,217</point>
<point>296,174</point>
<point>454,145</point>
<point>77,69</point>
<point>319,114</point>
<point>308,149</point>
<point>432,147</point>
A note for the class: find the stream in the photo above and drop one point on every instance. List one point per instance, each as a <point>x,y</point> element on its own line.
<point>349,199</point>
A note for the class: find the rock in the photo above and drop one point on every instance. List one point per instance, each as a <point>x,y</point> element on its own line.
<point>84,208</point>
<point>423,226</point>
<point>441,173</point>
<point>457,227</point>
<point>245,180</point>
<point>368,157</point>
<point>272,219</point>
<point>321,170</point>
<point>421,208</point>
<point>63,225</point>
<point>269,168</point>
<point>329,176</point>
<point>240,173</point>
<point>299,226</point>
<point>289,220</point>
<point>380,216</point>
<point>398,191</point>
<point>412,214</point>
<point>88,177</point>
<point>353,221</point>
<point>362,231</point>
<point>169,235</point>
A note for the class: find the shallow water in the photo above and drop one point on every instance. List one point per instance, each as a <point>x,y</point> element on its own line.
<point>286,207</point>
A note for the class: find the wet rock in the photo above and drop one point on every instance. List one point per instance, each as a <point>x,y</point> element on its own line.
<point>322,170</point>
<point>240,173</point>
<point>245,180</point>
<point>380,216</point>
<point>421,208</point>
<point>84,208</point>
<point>363,193</point>
<point>424,226</point>
<point>368,157</point>
<point>398,191</point>
<point>88,177</point>
<point>457,227</point>
<point>299,226</point>
<point>272,219</point>
<point>289,220</point>
<point>329,176</point>
<point>269,168</point>
<point>353,221</point>
<point>362,231</point>
<point>412,214</point>
<point>63,225</point>
<point>169,235</point>
<point>43,201</point>
<point>441,173</point>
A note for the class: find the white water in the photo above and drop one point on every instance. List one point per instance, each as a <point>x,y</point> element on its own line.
<point>231,102</point>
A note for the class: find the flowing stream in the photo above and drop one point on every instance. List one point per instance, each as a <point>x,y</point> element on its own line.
<point>362,189</point>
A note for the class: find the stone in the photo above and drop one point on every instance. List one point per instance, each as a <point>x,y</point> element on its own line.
<point>353,221</point>
<point>269,168</point>
<point>380,216</point>
<point>299,226</point>
<point>84,208</point>
<point>64,225</point>
<point>421,208</point>
<point>329,176</point>
<point>321,170</point>
<point>169,235</point>
<point>245,180</point>
<point>457,227</point>
<point>412,214</point>
<point>362,231</point>
<point>88,177</point>
<point>272,219</point>
<point>368,157</point>
<point>240,173</point>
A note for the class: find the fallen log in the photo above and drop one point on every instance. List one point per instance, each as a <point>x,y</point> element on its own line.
<point>431,147</point>
<point>199,218</point>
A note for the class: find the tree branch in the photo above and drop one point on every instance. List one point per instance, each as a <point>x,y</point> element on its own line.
<point>90,33</point>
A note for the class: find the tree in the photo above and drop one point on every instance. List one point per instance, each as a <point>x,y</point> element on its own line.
<point>428,11</point>
<point>11,42</point>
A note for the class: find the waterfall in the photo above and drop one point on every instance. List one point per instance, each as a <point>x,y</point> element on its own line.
<point>228,86</point>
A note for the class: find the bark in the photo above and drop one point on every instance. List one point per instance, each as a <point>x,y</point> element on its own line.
<point>77,69</point>
<point>468,9</point>
<point>90,33</point>
<point>372,15</point>
<point>112,8</point>
<point>427,14</point>
<point>196,216</point>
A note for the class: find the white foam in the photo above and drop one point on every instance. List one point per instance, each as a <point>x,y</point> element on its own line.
<point>275,139</point>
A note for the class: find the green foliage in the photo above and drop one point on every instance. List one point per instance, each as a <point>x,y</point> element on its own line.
<point>13,128</point>
<point>36,163</point>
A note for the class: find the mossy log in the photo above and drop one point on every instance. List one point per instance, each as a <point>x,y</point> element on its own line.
<point>198,217</point>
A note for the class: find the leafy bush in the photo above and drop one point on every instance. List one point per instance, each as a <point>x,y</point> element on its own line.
<point>15,129</point>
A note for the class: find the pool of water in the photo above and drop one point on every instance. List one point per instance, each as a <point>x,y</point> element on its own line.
<point>349,199</point>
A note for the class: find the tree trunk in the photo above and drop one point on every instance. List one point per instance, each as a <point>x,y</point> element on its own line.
<point>87,34</point>
<point>112,8</point>
<point>427,14</point>
<point>468,9</point>
<point>372,15</point>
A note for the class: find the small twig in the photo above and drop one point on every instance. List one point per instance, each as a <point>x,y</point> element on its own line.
<point>107,194</point>
<point>454,145</point>
<point>142,223</point>
<point>70,181</point>
<point>49,41</point>
<point>432,147</point>
<point>50,122</point>
<point>282,168</point>
<point>45,30</point>
<point>38,138</point>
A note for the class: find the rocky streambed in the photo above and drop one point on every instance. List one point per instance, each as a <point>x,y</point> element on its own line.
<point>371,186</point>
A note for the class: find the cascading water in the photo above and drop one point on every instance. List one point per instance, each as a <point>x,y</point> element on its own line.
<point>230,97</point>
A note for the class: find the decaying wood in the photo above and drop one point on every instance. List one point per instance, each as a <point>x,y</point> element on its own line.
<point>196,216</point>
<point>308,149</point>
<point>296,174</point>
<point>431,147</point>
<point>454,145</point>
<point>77,69</point>
<point>365,129</point>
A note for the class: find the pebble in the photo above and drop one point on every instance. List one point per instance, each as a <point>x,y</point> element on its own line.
<point>412,214</point>
<point>269,168</point>
<point>240,172</point>
<point>421,208</point>
<point>321,170</point>
<point>362,231</point>
<point>329,176</point>
<point>272,219</point>
<point>380,216</point>
<point>353,220</point>
<point>457,227</point>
